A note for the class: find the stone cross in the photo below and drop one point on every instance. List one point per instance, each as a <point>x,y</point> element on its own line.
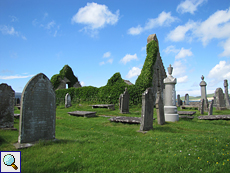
<point>210,109</point>
<point>203,85</point>
<point>160,106</point>
<point>170,108</point>
<point>186,99</point>
<point>202,107</point>
<point>147,110</point>
<point>68,100</point>
<point>124,102</point>
<point>7,95</point>
<point>38,110</point>
<point>219,99</point>
<point>226,94</point>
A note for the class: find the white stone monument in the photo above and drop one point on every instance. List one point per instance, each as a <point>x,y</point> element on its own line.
<point>170,108</point>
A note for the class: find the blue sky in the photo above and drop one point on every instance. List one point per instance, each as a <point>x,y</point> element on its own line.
<point>99,38</point>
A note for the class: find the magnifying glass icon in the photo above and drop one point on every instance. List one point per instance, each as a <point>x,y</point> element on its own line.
<point>9,160</point>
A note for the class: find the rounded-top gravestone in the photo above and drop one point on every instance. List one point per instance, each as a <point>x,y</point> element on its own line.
<point>38,110</point>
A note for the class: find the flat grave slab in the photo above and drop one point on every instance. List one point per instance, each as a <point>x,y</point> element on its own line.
<point>186,117</point>
<point>129,120</point>
<point>83,113</point>
<point>214,117</point>
<point>188,106</point>
<point>186,112</point>
<point>109,106</point>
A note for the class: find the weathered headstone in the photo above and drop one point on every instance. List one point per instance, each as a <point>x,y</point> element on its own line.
<point>38,111</point>
<point>202,107</point>
<point>214,101</point>
<point>227,101</point>
<point>210,109</point>
<point>147,110</point>
<point>160,106</point>
<point>219,99</point>
<point>178,100</point>
<point>170,108</point>
<point>203,85</point>
<point>124,102</point>
<point>68,100</point>
<point>6,106</point>
<point>186,99</point>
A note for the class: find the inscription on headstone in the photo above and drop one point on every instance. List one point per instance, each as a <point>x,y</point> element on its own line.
<point>38,110</point>
<point>6,106</point>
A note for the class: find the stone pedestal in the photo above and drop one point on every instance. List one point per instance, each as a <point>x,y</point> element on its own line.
<point>203,85</point>
<point>170,108</point>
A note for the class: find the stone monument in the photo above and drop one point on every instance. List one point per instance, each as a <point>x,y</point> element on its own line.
<point>203,85</point>
<point>227,102</point>
<point>170,108</point>
<point>159,106</point>
<point>7,95</point>
<point>186,99</point>
<point>38,111</point>
<point>147,110</point>
<point>178,100</point>
<point>202,107</point>
<point>220,105</point>
<point>124,102</point>
<point>210,109</point>
<point>214,101</point>
<point>68,100</point>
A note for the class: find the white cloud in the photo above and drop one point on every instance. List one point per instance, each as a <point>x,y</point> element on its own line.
<point>178,34</point>
<point>170,49</point>
<point>128,58</point>
<point>82,83</point>
<point>8,30</point>
<point>183,53</point>
<point>24,38</point>
<point>15,77</point>
<point>107,55</point>
<point>50,25</point>
<point>182,79</point>
<point>135,71</point>
<point>13,19</point>
<point>178,69</point>
<point>95,16</point>
<point>163,19</point>
<point>110,61</point>
<point>189,6</point>
<point>219,73</point>
<point>226,46</point>
<point>102,63</point>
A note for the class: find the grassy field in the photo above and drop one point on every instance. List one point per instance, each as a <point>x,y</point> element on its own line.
<point>98,145</point>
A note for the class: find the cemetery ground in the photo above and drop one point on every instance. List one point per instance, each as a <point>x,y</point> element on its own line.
<point>98,145</point>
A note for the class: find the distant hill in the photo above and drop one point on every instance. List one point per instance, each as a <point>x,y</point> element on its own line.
<point>199,97</point>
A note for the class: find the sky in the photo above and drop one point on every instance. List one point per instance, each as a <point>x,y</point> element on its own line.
<point>99,38</point>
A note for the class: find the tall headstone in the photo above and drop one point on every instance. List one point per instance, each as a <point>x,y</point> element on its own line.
<point>203,85</point>
<point>210,109</point>
<point>202,107</point>
<point>160,106</point>
<point>226,94</point>
<point>170,108</point>
<point>124,102</point>
<point>178,100</point>
<point>7,95</point>
<point>186,99</point>
<point>219,99</point>
<point>68,100</point>
<point>38,110</point>
<point>147,110</point>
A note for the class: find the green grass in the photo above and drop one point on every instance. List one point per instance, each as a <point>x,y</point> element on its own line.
<point>97,145</point>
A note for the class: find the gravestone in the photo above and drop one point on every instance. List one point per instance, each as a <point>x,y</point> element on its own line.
<point>186,99</point>
<point>147,110</point>
<point>210,109</point>
<point>124,102</point>
<point>68,100</point>
<point>7,95</point>
<point>214,101</point>
<point>38,111</point>
<point>170,108</point>
<point>159,106</point>
<point>203,85</point>
<point>226,94</point>
<point>178,100</point>
<point>202,107</point>
<point>219,99</point>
